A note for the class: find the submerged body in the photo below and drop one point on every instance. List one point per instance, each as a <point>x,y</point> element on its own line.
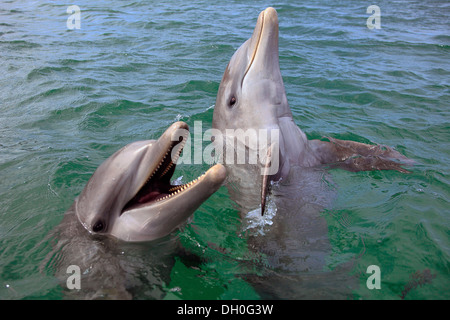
<point>109,269</point>
<point>295,245</point>
<point>129,198</point>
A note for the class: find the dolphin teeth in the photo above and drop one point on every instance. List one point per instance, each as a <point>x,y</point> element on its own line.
<point>180,188</point>
<point>167,169</point>
<point>174,157</point>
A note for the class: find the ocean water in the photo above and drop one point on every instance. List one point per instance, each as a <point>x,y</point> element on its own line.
<point>70,98</point>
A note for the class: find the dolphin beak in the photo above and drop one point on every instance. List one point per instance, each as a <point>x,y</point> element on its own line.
<point>264,38</point>
<point>155,220</point>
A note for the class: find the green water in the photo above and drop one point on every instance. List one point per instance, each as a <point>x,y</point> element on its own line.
<point>70,98</point>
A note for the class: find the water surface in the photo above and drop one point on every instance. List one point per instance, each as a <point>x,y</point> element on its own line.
<point>70,98</point>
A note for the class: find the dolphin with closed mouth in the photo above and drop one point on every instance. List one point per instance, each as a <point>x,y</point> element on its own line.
<point>291,240</point>
<point>252,96</point>
<point>128,199</point>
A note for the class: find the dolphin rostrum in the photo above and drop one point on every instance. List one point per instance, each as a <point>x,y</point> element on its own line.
<point>252,96</point>
<point>129,198</point>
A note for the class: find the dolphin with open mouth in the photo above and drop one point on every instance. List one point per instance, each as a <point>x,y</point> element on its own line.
<point>129,199</point>
<point>130,195</point>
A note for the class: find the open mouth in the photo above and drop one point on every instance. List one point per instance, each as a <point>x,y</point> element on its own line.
<point>158,186</point>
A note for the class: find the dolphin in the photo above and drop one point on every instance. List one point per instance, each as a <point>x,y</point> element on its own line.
<point>252,96</point>
<point>128,199</point>
<point>130,196</point>
<point>291,239</point>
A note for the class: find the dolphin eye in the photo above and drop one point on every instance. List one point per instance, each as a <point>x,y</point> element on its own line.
<point>232,101</point>
<point>98,226</point>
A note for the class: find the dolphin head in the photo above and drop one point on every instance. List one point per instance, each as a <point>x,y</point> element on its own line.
<point>251,94</point>
<point>130,196</point>
<point>252,84</point>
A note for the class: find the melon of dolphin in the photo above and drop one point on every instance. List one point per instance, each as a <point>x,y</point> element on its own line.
<point>252,96</point>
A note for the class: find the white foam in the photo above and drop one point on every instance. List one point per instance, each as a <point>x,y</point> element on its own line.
<point>178,181</point>
<point>257,223</point>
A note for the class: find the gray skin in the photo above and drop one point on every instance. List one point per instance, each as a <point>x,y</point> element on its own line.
<point>104,206</point>
<point>129,199</point>
<point>252,96</point>
<point>292,239</point>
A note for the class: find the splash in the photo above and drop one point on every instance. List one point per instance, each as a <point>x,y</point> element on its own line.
<point>256,223</point>
<point>178,181</point>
